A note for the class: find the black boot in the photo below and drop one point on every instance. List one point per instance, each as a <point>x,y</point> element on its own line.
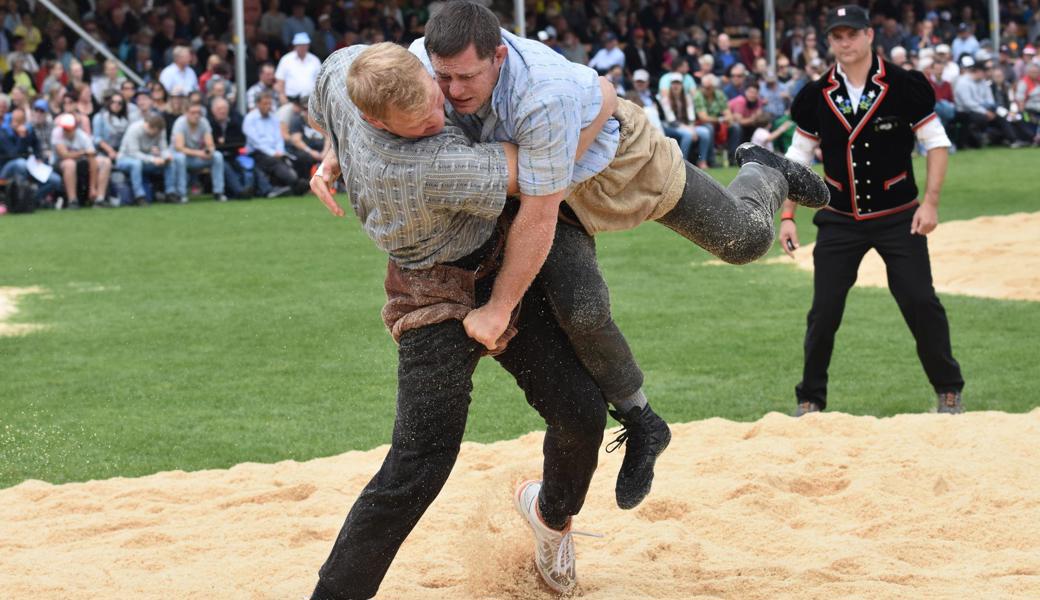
<point>803,185</point>
<point>645,436</point>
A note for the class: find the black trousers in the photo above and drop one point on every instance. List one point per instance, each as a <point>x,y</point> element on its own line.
<point>840,246</point>
<point>275,169</point>
<point>435,370</point>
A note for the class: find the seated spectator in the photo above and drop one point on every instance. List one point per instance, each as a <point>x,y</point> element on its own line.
<point>681,71</point>
<point>229,140</point>
<point>179,74</point>
<point>18,76</point>
<point>304,145</point>
<point>267,148</point>
<point>976,105</point>
<point>175,107</point>
<point>572,48</point>
<point>609,55</point>
<point>74,153</point>
<point>109,125</point>
<point>144,104</point>
<point>774,95</point>
<point>1027,94</point>
<point>160,97</point>
<point>296,23</point>
<point>265,84</point>
<point>128,91</point>
<point>738,76</point>
<point>706,66</point>
<point>144,152</point>
<point>109,81</point>
<point>194,150</point>
<point>83,106</point>
<point>680,122</point>
<point>748,111</point>
<point>725,56</point>
<point>19,142</point>
<point>944,105</point>
<point>752,50</point>
<point>43,125</point>
<point>19,54</point>
<point>712,110</point>
<point>211,64</point>
<point>56,77</point>
<point>775,136</point>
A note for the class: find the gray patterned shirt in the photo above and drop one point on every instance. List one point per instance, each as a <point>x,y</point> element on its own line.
<point>422,201</point>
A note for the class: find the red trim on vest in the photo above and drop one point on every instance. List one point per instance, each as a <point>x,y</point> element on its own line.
<point>890,182</point>
<point>874,215</point>
<point>859,127</point>
<point>827,94</point>
<point>924,121</point>
<point>833,182</point>
<point>812,137</point>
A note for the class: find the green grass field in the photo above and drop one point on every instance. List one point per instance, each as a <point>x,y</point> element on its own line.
<point>201,336</point>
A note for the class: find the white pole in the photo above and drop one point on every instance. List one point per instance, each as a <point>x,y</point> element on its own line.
<point>240,55</point>
<point>103,49</point>
<point>521,19</point>
<point>994,25</point>
<point>771,34</point>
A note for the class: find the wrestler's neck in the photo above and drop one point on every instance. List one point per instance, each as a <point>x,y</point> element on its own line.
<point>856,72</point>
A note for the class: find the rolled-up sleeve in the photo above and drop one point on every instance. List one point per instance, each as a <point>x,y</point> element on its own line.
<point>547,134</point>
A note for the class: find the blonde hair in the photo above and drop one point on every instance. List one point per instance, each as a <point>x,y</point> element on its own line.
<point>386,75</point>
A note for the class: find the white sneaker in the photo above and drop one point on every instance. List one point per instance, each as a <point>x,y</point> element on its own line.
<point>553,550</point>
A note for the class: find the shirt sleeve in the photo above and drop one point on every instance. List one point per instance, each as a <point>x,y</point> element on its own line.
<point>547,133</point>
<point>805,113</point>
<point>470,178</point>
<point>919,98</point>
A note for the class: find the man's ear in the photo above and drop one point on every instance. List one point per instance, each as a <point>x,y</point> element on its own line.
<point>374,122</point>
<point>500,54</point>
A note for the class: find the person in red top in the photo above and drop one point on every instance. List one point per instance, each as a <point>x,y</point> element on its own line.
<point>747,111</point>
<point>752,49</point>
<point>944,106</point>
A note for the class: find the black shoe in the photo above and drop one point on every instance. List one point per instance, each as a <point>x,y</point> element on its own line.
<point>807,407</point>
<point>803,185</point>
<point>949,403</point>
<point>645,436</point>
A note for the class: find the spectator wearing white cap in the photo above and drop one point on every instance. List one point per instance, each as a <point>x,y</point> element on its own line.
<point>179,73</point>
<point>951,71</point>
<point>74,153</point>
<point>297,70</point>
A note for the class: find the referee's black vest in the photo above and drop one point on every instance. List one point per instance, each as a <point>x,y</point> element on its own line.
<point>866,151</point>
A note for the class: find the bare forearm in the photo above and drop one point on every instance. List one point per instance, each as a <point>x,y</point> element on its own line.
<point>527,244</point>
<point>938,158</point>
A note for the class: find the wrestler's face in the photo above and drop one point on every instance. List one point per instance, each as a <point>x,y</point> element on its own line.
<point>466,79</point>
<point>851,46</point>
<point>424,122</point>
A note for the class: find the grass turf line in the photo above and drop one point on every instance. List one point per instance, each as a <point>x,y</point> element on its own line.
<point>201,336</point>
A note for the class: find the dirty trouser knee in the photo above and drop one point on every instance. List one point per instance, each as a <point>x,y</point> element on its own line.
<point>574,287</point>
<point>736,223</point>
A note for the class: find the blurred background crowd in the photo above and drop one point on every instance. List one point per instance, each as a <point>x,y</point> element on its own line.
<point>78,131</point>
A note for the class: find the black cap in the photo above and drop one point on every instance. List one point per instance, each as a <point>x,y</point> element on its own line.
<point>849,15</point>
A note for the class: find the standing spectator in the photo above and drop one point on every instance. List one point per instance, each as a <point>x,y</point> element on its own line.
<point>229,140</point>
<point>107,82</point>
<point>609,55</point>
<point>265,84</point>
<point>179,74</point>
<point>297,70</point>
<point>74,153</point>
<point>143,151</point>
<point>965,43</point>
<point>712,110</point>
<point>267,148</point>
<point>19,142</point>
<point>193,150</point>
<point>296,23</point>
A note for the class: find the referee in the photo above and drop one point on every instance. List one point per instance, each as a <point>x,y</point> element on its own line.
<point>864,114</point>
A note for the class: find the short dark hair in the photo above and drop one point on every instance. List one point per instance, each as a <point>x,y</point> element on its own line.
<point>460,23</point>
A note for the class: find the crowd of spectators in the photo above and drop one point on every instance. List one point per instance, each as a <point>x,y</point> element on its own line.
<point>86,134</point>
